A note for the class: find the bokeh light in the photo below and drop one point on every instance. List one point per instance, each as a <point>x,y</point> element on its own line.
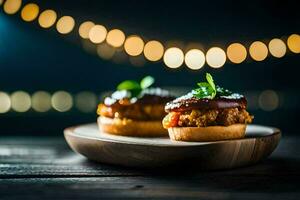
<point>173,57</point>
<point>30,12</point>
<point>115,38</point>
<point>12,6</point>
<point>97,34</point>
<point>236,53</point>
<point>62,101</point>
<point>85,28</point>
<point>47,18</point>
<point>268,100</point>
<point>5,103</point>
<point>258,51</point>
<point>194,59</point>
<point>277,48</point>
<point>293,43</point>
<point>134,45</point>
<point>1,2</point>
<point>86,101</point>
<point>65,24</point>
<point>154,50</point>
<point>215,57</point>
<point>105,51</point>
<point>41,101</point>
<point>20,101</point>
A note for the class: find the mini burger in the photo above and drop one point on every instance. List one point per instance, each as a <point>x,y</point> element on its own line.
<point>134,109</point>
<point>207,113</point>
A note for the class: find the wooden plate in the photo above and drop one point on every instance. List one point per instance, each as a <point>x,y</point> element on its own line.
<point>87,140</point>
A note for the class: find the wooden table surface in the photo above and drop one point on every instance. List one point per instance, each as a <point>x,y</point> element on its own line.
<point>45,168</point>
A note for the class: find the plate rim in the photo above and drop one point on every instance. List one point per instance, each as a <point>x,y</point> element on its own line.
<point>70,132</point>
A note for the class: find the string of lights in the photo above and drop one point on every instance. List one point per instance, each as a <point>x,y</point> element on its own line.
<point>86,101</point>
<point>110,41</point>
<point>43,101</point>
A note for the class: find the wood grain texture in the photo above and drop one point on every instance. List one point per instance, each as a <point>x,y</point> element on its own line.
<point>49,157</point>
<point>208,156</point>
<point>45,168</point>
<point>207,186</point>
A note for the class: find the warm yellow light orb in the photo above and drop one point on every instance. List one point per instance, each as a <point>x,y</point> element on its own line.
<point>173,57</point>
<point>293,43</point>
<point>105,51</point>
<point>277,48</point>
<point>85,28</point>
<point>30,12</point>
<point>86,101</point>
<point>62,101</point>
<point>20,101</point>
<point>194,59</point>
<point>236,53</point>
<point>115,38</point>
<point>258,51</point>
<point>97,34</point>
<point>12,6</point>
<point>215,57</point>
<point>41,101</point>
<point>47,18</point>
<point>5,103</point>
<point>134,45</point>
<point>65,24</point>
<point>154,50</point>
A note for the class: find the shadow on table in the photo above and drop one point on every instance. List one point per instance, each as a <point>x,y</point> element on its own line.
<point>272,175</point>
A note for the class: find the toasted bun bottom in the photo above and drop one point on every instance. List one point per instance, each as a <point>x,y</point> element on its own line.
<point>205,134</point>
<point>128,127</point>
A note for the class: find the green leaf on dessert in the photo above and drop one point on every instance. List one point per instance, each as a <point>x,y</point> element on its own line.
<point>203,92</point>
<point>206,89</point>
<point>129,85</point>
<point>135,88</point>
<point>210,80</point>
<point>203,84</point>
<point>147,82</point>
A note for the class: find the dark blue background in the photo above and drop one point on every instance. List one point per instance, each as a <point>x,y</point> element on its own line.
<point>32,58</point>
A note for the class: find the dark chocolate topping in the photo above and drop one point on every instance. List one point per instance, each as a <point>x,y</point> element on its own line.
<point>147,96</point>
<point>189,102</point>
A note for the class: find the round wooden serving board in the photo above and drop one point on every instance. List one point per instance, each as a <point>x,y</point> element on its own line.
<point>259,143</point>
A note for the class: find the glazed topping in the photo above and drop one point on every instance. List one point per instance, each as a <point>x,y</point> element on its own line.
<point>189,102</point>
<point>207,96</point>
<point>146,96</point>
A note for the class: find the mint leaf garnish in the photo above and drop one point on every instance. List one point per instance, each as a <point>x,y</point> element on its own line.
<point>210,80</point>
<point>128,85</point>
<point>206,89</point>
<point>147,82</point>
<point>134,87</point>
